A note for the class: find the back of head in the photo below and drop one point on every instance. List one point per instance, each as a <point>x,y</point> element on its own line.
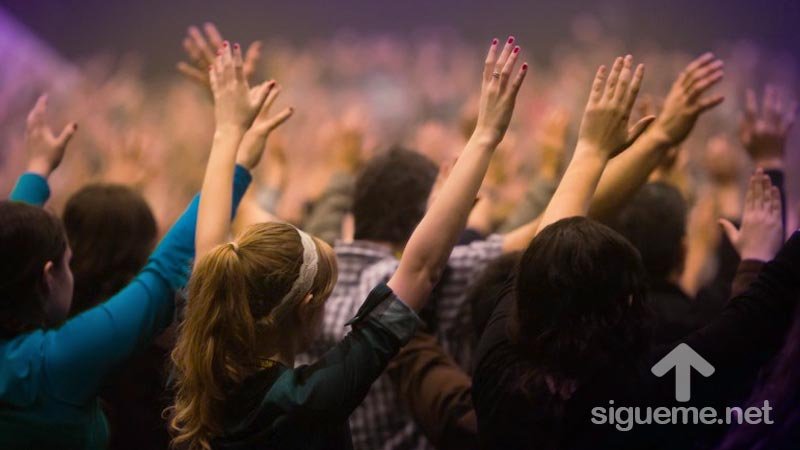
<point>579,302</point>
<point>29,238</point>
<point>391,195</point>
<point>655,223</point>
<point>237,311</point>
<point>112,232</point>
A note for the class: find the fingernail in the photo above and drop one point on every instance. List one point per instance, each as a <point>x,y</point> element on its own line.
<point>516,49</point>
<point>525,66</point>
<point>236,46</point>
<point>225,44</point>
<point>494,41</point>
<point>75,126</point>
<point>511,39</point>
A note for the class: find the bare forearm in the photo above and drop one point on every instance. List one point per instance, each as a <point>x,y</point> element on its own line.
<point>430,245</point>
<point>626,174</point>
<point>213,217</point>
<point>576,188</point>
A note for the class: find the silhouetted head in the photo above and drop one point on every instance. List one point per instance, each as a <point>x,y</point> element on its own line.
<point>391,196</point>
<point>580,293</point>
<point>655,223</point>
<point>35,278</point>
<point>112,232</point>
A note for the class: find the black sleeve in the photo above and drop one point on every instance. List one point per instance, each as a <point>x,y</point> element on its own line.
<point>751,329</point>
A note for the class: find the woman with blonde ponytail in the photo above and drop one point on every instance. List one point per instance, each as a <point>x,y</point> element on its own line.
<point>256,302</point>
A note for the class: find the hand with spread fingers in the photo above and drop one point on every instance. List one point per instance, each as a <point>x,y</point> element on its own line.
<point>235,104</point>
<point>763,133</point>
<point>604,127</point>
<point>45,149</point>
<point>255,139</point>
<point>202,47</point>
<point>498,92</point>
<point>687,99</point>
<point>761,234</point>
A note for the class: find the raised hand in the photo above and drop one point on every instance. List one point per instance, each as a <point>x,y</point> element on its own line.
<point>763,133</point>
<point>604,132</point>
<point>761,234</point>
<point>427,251</point>
<point>45,150</point>
<point>686,99</point>
<point>235,104</point>
<point>604,127</point>
<point>254,141</point>
<point>498,92</point>
<point>202,49</point>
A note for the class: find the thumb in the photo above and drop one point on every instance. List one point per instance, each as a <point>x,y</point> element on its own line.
<point>638,128</point>
<point>279,118</point>
<point>730,230</point>
<point>261,94</point>
<point>66,134</point>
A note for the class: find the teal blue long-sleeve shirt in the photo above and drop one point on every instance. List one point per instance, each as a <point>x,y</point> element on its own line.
<point>49,379</point>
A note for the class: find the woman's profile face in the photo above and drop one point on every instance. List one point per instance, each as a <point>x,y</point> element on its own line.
<point>60,284</point>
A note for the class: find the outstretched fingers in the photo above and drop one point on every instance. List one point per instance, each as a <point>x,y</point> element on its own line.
<point>508,67</point>
<point>621,89</point>
<point>491,59</point>
<point>597,86</point>
<point>501,60</point>
<point>36,116</point>
<point>611,83</point>
<point>202,49</point>
<point>238,64</point>
<point>633,92</point>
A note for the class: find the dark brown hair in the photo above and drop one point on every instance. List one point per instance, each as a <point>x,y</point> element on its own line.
<point>391,195</point>
<point>29,238</point>
<point>112,232</point>
<point>580,303</point>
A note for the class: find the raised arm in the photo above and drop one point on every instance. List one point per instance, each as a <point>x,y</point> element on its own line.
<point>684,104</point>
<point>764,133</point>
<point>45,151</point>
<point>603,133</point>
<point>430,245</point>
<point>236,107</point>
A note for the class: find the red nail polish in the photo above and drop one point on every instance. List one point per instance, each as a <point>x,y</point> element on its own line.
<point>225,44</point>
<point>516,49</point>
<point>511,39</point>
<point>494,41</point>
<point>525,66</point>
<point>236,46</point>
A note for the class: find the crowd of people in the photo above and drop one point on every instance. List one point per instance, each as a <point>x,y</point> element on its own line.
<point>411,268</point>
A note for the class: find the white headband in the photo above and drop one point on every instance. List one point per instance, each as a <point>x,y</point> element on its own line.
<point>308,270</point>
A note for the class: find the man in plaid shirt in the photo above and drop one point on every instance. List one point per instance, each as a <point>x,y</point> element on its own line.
<point>390,197</point>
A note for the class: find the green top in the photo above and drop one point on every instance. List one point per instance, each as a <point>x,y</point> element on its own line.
<point>50,378</point>
<point>308,407</point>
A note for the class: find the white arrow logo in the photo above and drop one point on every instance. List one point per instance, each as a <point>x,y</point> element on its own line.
<point>683,358</point>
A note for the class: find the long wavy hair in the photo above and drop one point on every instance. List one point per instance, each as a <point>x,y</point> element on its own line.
<point>580,306</point>
<point>233,310</point>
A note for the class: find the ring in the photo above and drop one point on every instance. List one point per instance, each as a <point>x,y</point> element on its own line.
<point>496,74</point>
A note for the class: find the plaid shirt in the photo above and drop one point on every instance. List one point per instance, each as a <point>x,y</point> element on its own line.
<point>380,422</point>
